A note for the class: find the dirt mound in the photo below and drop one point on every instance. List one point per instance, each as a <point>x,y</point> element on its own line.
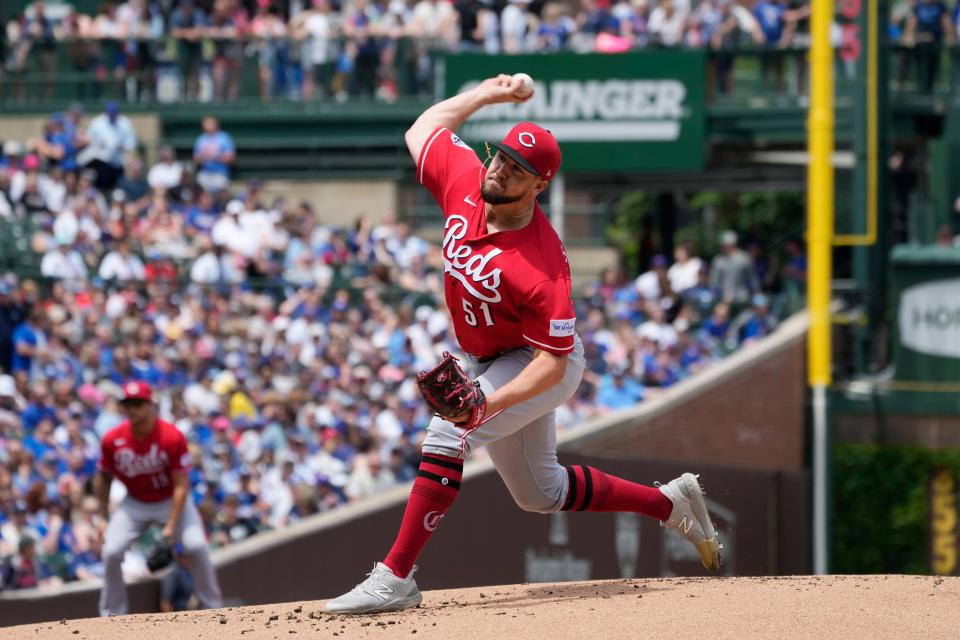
<point>819,608</point>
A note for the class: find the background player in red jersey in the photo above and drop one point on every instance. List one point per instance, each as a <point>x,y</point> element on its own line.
<point>507,285</point>
<point>150,457</point>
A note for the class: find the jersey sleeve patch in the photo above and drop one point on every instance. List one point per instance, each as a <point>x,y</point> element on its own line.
<point>562,328</point>
<point>457,141</point>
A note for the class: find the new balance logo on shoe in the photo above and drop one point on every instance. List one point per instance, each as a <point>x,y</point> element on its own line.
<point>384,591</point>
<point>686,524</point>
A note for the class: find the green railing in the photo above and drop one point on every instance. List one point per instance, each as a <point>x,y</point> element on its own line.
<point>151,73</point>
<point>155,72</point>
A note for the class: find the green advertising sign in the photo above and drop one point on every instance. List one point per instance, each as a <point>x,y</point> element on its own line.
<point>641,111</point>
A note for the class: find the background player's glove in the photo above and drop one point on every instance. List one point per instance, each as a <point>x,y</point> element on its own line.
<point>160,554</point>
<point>451,394</point>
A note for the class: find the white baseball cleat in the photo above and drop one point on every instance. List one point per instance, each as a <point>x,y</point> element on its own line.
<point>381,591</point>
<point>690,517</point>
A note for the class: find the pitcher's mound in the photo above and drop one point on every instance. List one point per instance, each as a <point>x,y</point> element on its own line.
<point>819,608</point>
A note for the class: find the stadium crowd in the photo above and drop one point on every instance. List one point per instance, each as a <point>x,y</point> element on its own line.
<point>284,348</point>
<point>314,48</point>
<point>173,50</point>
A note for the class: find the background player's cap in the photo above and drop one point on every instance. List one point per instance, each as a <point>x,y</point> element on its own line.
<point>533,148</point>
<point>137,390</point>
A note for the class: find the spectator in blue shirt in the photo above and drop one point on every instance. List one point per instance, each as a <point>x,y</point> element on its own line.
<point>56,145</point>
<point>87,564</point>
<point>39,408</point>
<point>928,28</point>
<point>41,442</point>
<point>771,15</point>
<point>617,391</point>
<point>597,18</point>
<point>134,184</point>
<point>701,297</point>
<point>717,326</point>
<point>176,588</point>
<point>28,340</point>
<point>758,322</point>
<point>213,153</point>
<point>202,215</point>
<point>554,28</point>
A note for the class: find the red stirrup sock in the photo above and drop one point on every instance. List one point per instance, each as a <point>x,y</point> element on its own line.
<point>434,490</point>
<point>593,490</point>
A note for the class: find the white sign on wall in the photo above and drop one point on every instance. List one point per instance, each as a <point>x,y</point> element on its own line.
<point>929,318</point>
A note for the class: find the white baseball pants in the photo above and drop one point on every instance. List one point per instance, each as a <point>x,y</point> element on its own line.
<point>127,523</point>
<point>521,441</point>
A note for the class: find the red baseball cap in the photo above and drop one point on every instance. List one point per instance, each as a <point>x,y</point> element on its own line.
<point>533,148</point>
<point>137,390</point>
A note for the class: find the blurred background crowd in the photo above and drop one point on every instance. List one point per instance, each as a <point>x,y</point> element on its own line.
<point>284,347</point>
<point>219,50</point>
<point>306,49</point>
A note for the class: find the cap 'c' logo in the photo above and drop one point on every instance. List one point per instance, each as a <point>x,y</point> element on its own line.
<point>526,139</point>
<point>133,389</point>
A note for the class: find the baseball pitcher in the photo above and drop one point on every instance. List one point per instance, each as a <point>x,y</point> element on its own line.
<point>150,457</point>
<point>507,285</point>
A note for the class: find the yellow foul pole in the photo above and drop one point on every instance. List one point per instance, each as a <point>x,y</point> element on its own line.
<point>819,242</point>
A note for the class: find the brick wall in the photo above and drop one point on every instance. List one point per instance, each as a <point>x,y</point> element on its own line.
<point>752,418</point>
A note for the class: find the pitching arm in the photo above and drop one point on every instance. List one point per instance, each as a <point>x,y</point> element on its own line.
<point>452,112</point>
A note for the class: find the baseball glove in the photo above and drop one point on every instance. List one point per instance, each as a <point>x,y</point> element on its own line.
<point>160,554</point>
<point>452,394</point>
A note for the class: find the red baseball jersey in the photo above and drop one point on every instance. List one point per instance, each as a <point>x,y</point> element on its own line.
<point>145,466</point>
<point>507,289</point>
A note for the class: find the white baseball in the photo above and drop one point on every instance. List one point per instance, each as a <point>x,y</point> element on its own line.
<point>526,85</point>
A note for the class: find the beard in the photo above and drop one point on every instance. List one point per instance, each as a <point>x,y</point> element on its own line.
<point>497,198</point>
